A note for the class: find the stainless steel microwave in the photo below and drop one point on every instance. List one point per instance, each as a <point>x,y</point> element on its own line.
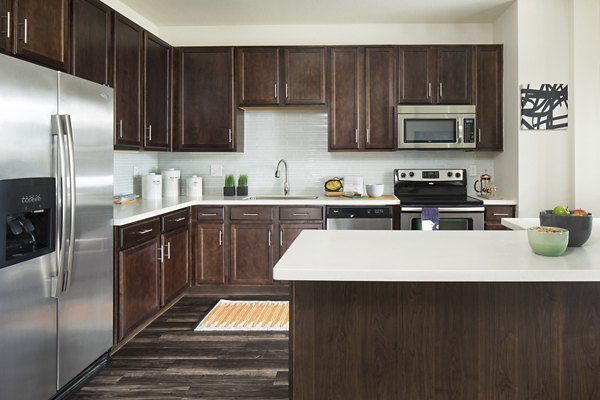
<point>436,127</point>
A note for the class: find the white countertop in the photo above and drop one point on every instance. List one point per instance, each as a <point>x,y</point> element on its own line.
<point>497,201</point>
<point>425,256</point>
<point>519,224</point>
<point>144,208</point>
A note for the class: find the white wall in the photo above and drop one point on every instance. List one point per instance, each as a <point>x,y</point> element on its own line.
<point>506,164</point>
<point>585,104</point>
<point>136,17</point>
<point>338,34</point>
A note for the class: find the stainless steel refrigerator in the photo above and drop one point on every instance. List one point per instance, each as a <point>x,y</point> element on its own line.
<point>56,249</point>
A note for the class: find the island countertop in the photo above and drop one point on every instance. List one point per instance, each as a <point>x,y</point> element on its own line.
<point>442,256</point>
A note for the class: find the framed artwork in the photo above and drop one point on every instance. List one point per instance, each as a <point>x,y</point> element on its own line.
<point>544,106</point>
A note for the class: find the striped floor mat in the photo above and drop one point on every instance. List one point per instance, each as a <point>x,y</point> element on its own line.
<point>230,315</point>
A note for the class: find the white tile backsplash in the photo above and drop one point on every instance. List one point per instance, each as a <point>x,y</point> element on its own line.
<point>124,162</point>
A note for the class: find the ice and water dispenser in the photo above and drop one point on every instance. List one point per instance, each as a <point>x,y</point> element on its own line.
<point>28,207</point>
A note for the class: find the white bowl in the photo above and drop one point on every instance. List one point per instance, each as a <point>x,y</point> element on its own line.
<point>375,190</point>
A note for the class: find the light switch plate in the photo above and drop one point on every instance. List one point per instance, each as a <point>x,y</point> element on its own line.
<point>216,170</point>
<point>472,170</point>
<point>136,171</point>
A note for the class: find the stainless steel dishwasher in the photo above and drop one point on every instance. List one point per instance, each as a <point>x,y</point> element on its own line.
<point>359,218</point>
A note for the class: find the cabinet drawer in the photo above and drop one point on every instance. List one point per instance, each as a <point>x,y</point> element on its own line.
<point>210,213</point>
<point>252,213</point>
<point>138,233</point>
<point>300,213</point>
<point>174,220</point>
<point>493,214</point>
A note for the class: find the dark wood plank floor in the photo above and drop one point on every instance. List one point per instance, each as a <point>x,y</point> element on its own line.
<point>168,360</point>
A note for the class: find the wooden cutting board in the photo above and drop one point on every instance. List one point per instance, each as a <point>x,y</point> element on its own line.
<point>387,197</point>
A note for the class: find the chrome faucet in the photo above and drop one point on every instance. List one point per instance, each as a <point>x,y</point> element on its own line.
<point>286,184</point>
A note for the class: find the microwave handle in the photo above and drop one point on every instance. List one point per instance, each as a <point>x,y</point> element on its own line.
<point>459,129</point>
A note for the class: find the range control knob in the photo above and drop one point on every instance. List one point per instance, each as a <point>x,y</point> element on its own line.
<point>449,174</point>
<point>457,174</point>
<point>403,175</point>
<point>411,174</point>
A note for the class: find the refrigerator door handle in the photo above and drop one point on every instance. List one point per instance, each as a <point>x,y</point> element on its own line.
<point>68,127</point>
<point>61,238</point>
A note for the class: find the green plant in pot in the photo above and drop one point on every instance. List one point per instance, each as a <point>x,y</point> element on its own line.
<point>242,187</point>
<point>229,188</point>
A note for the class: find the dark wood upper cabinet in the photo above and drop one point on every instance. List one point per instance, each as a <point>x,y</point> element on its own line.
<point>157,93</point>
<point>6,24</point>
<point>380,98</point>
<point>39,31</point>
<point>345,81</point>
<point>305,75</point>
<point>258,75</point>
<point>362,98</point>
<point>435,75</point>
<point>127,43</point>
<point>251,253</point>
<point>455,75</point>
<point>416,69</point>
<point>206,119</point>
<point>489,66</point>
<point>91,46</point>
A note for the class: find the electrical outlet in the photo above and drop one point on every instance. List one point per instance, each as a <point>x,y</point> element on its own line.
<point>136,171</point>
<point>216,170</point>
<point>472,170</point>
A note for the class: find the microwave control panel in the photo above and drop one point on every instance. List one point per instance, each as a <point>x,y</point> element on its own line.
<point>469,130</point>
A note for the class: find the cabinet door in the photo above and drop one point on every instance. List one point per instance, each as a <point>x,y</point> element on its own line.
<point>205,104</point>
<point>489,97</point>
<point>157,93</point>
<point>127,42</point>
<point>91,41</point>
<point>455,75</point>
<point>210,254</point>
<point>258,74</point>
<point>6,26</point>
<point>175,266</point>
<point>42,31</point>
<point>289,232</point>
<point>416,75</point>
<point>251,253</point>
<point>304,79</point>
<point>345,98</point>
<point>380,100</point>
<point>138,285</point>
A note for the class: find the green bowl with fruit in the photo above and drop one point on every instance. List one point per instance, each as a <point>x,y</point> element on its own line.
<point>548,241</point>
<point>578,222</point>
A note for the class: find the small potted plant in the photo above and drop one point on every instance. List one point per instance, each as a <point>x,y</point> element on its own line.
<point>242,187</point>
<point>229,188</point>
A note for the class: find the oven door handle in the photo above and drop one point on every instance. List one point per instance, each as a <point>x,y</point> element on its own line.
<point>444,209</point>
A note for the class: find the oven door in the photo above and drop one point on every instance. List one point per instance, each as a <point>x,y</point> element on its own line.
<point>450,219</point>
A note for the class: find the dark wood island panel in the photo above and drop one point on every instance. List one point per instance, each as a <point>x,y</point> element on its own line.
<point>464,341</point>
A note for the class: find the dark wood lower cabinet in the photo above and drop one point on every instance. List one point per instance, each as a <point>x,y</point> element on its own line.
<point>175,266</point>
<point>288,232</point>
<point>210,253</point>
<point>494,214</point>
<point>475,341</point>
<point>251,253</point>
<point>138,285</point>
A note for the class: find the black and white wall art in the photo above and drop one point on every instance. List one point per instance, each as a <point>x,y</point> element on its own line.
<point>544,106</point>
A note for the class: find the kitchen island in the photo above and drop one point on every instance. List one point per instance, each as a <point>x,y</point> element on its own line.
<point>441,315</point>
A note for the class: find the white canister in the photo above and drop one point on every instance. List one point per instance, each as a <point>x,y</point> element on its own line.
<point>152,186</point>
<point>194,186</point>
<point>171,186</point>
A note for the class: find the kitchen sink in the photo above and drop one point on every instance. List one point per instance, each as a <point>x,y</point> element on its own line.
<point>281,197</point>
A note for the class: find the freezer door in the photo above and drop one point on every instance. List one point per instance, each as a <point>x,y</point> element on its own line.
<point>27,308</point>
<point>85,308</point>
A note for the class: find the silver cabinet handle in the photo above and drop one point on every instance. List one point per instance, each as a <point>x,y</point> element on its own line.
<point>149,133</point>
<point>178,219</point>
<point>500,215</point>
<point>280,238</point>
<point>161,258</point>
<point>120,128</point>
<point>209,214</point>
<point>169,250</point>
<point>269,238</point>
<point>229,135</point>
<point>356,136</point>
<point>429,90</point>
<point>144,231</point>
<point>286,90</point>
<point>368,135</point>
<point>24,25</point>
<point>220,237</point>
<point>250,214</point>
<point>275,91</point>
<point>441,89</point>
<point>7,31</point>
<point>300,214</point>
<point>479,135</point>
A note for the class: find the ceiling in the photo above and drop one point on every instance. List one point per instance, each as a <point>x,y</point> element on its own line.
<point>285,12</point>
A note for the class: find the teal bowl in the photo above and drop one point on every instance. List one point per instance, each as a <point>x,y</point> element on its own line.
<point>548,241</point>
